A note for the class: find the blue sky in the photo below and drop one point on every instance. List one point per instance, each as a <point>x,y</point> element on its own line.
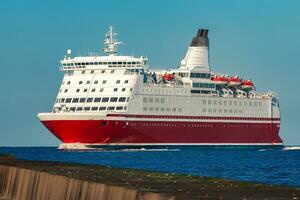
<point>257,39</point>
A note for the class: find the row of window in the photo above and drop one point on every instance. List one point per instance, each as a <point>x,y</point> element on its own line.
<point>95,108</point>
<point>94,90</point>
<point>197,125</point>
<point>101,63</point>
<point>230,103</point>
<point>200,75</point>
<point>221,110</point>
<point>151,100</point>
<point>95,82</point>
<point>162,109</point>
<point>204,85</point>
<point>92,99</point>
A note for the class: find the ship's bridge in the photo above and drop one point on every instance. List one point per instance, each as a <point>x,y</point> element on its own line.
<point>102,62</point>
<point>111,60</point>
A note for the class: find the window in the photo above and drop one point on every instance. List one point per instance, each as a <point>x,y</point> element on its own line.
<point>115,89</point>
<point>72,108</point>
<point>89,100</point>
<point>126,81</point>
<point>204,85</point>
<point>87,108</point>
<point>85,90</point>
<point>92,71</point>
<point>75,100</point>
<point>105,99</point>
<point>62,100</point>
<point>112,71</point>
<point>128,98</point>
<point>80,82</point>
<point>93,90</point>
<point>79,108</point>
<point>68,100</point>
<point>66,90</point>
<point>156,100</point>
<point>68,82</point>
<point>102,108</point>
<point>101,89</point>
<point>95,82</point>
<point>150,100</point>
<point>114,99</point>
<point>131,89</point>
<point>102,71</point>
<point>97,99</point>
<point>118,81</point>
<point>145,99</point>
<point>82,100</point>
<point>162,109</point>
<point>83,72</point>
<point>145,108</point>
<point>77,90</point>
<point>119,108</point>
<point>88,82</point>
<point>122,99</point>
<point>104,81</point>
<point>162,100</point>
<point>111,108</point>
<point>94,108</point>
<point>200,75</point>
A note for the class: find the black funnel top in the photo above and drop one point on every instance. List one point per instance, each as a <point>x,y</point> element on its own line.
<point>201,40</point>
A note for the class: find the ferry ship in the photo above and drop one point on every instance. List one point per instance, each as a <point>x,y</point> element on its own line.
<point>117,100</point>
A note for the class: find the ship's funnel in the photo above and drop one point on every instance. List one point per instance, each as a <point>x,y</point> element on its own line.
<point>196,57</point>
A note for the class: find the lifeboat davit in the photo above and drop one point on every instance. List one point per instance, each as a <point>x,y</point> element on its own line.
<point>168,77</point>
<point>247,84</point>
<point>234,81</point>
<point>221,80</point>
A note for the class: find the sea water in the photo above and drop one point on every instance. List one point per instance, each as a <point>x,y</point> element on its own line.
<point>273,166</point>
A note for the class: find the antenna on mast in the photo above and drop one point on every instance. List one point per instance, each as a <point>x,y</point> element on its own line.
<point>111,43</point>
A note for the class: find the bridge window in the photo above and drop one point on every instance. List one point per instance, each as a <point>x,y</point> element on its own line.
<point>200,75</point>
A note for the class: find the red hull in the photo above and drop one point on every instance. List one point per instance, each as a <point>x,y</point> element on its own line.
<point>163,132</point>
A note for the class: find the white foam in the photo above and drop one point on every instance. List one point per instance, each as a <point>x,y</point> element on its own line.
<point>291,148</point>
<point>73,146</point>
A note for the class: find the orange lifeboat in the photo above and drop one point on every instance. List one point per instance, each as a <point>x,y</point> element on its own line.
<point>217,79</point>
<point>234,81</point>
<point>168,77</point>
<point>247,84</point>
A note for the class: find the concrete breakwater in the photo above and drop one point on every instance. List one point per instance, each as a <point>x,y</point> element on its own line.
<point>23,184</point>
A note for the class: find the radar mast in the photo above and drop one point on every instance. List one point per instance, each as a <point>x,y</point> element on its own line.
<point>111,43</point>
